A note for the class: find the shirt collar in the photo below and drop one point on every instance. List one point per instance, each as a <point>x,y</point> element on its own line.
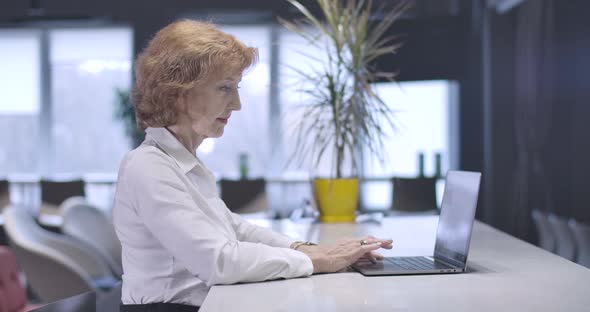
<point>171,146</point>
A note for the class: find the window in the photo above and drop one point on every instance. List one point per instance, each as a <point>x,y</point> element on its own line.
<point>422,117</point>
<point>297,55</point>
<point>425,115</point>
<point>248,129</point>
<point>20,90</point>
<point>87,66</point>
<point>57,106</point>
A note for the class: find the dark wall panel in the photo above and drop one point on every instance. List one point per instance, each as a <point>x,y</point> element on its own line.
<point>572,128</point>
<point>503,141</point>
<point>433,48</point>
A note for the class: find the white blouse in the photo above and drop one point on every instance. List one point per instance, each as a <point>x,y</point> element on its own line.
<point>178,236</point>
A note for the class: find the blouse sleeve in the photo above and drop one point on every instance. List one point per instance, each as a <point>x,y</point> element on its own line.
<point>249,232</point>
<point>180,225</point>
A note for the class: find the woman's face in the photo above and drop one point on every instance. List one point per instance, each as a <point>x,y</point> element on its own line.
<point>209,105</point>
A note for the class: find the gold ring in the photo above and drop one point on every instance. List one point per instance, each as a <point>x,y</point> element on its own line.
<point>364,242</point>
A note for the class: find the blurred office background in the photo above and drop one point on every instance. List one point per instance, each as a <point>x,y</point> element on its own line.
<point>497,86</point>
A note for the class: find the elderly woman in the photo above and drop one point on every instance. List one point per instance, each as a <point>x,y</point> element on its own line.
<point>178,236</point>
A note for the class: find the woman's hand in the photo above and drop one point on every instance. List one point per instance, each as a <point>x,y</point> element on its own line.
<point>344,253</point>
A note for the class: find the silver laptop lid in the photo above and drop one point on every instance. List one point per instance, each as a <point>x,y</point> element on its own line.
<point>456,217</point>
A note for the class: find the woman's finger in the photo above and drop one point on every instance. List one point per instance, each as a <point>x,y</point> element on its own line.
<point>368,248</point>
<point>377,255</point>
<point>361,241</point>
<point>387,243</point>
<point>372,255</point>
<point>361,251</point>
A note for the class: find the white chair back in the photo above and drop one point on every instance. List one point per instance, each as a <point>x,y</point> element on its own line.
<point>544,231</point>
<point>565,245</point>
<point>581,233</point>
<point>87,223</point>
<point>56,266</point>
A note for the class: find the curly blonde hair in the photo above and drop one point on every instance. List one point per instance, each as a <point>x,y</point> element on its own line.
<point>180,56</point>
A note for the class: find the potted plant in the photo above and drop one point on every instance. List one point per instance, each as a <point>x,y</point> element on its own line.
<point>343,113</point>
<point>126,113</point>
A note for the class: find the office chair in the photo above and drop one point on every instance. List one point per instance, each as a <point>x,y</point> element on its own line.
<point>4,194</point>
<point>84,302</point>
<point>89,224</point>
<point>4,202</point>
<point>54,193</point>
<point>56,266</point>
<point>544,231</point>
<point>244,196</point>
<point>565,246</point>
<point>12,293</point>
<point>581,234</point>
<point>414,194</point>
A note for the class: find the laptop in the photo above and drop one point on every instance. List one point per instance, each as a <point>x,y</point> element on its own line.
<point>452,237</point>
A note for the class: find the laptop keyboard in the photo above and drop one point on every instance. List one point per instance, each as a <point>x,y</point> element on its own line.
<point>412,263</point>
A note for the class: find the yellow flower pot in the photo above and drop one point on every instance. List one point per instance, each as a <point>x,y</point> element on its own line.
<point>337,199</point>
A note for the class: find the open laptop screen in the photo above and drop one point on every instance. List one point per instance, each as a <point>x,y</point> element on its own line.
<point>456,216</point>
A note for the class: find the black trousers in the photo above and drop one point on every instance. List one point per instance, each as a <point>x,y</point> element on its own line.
<point>158,307</point>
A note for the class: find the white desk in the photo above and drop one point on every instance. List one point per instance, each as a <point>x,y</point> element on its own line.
<point>506,274</point>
